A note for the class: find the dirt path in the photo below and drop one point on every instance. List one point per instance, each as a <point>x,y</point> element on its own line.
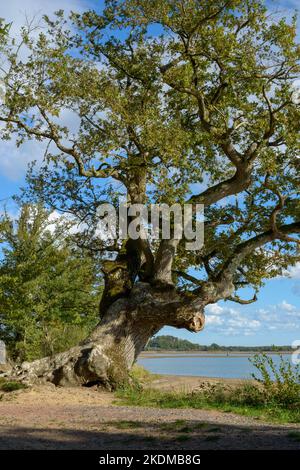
<point>54,418</point>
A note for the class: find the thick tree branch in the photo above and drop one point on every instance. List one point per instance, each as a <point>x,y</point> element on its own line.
<point>238,182</point>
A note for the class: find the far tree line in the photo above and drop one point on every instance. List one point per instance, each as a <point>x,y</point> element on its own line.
<point>171,343</point>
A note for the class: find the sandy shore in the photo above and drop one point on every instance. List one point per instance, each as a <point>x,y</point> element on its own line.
<point>187,383</point>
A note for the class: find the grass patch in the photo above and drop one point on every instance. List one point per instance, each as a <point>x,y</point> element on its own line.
<point>141,376</point>
<point>246,400</point>
<point>179,422</point>
<point>11,386</point>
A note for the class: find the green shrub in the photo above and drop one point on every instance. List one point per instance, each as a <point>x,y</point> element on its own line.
<point>49,288</point>
<point>11,386</point>
<point>280,384</point>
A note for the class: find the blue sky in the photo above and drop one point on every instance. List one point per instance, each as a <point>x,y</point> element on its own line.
<point>273,319</point>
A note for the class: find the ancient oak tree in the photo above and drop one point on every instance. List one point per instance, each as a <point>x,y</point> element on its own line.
<point>164,101</point>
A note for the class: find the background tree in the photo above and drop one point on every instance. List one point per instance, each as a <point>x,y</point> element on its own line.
<point>175,101</point>
<point>49,289</point>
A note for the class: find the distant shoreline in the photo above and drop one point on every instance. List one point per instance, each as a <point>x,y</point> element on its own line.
<point>193,353</point>
<point>173,344</point>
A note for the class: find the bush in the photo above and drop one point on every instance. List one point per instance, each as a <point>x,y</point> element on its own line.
<point>280,384</point>
<point>49,288</point>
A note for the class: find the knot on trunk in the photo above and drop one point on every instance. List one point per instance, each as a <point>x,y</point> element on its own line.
<point>196,323</point>
<point>190,318</point>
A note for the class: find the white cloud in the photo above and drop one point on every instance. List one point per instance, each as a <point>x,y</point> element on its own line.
<point>16,11</point>
<point>230,321</point>
<point>214,309</point>
<point>14,160</point>
<point>239,321</point>
<point>287,307</point>
<point>214,320</point>
<point>293,272</point>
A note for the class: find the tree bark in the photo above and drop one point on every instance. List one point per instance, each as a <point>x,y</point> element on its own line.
<point>107,355</point>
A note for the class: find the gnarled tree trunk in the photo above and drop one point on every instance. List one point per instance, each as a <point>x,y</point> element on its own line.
<point>106,356</point>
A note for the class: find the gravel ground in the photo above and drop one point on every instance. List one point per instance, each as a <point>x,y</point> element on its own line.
<point>79,418</point>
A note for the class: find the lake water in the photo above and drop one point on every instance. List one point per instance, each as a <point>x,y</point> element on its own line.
<point>236,367</point>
